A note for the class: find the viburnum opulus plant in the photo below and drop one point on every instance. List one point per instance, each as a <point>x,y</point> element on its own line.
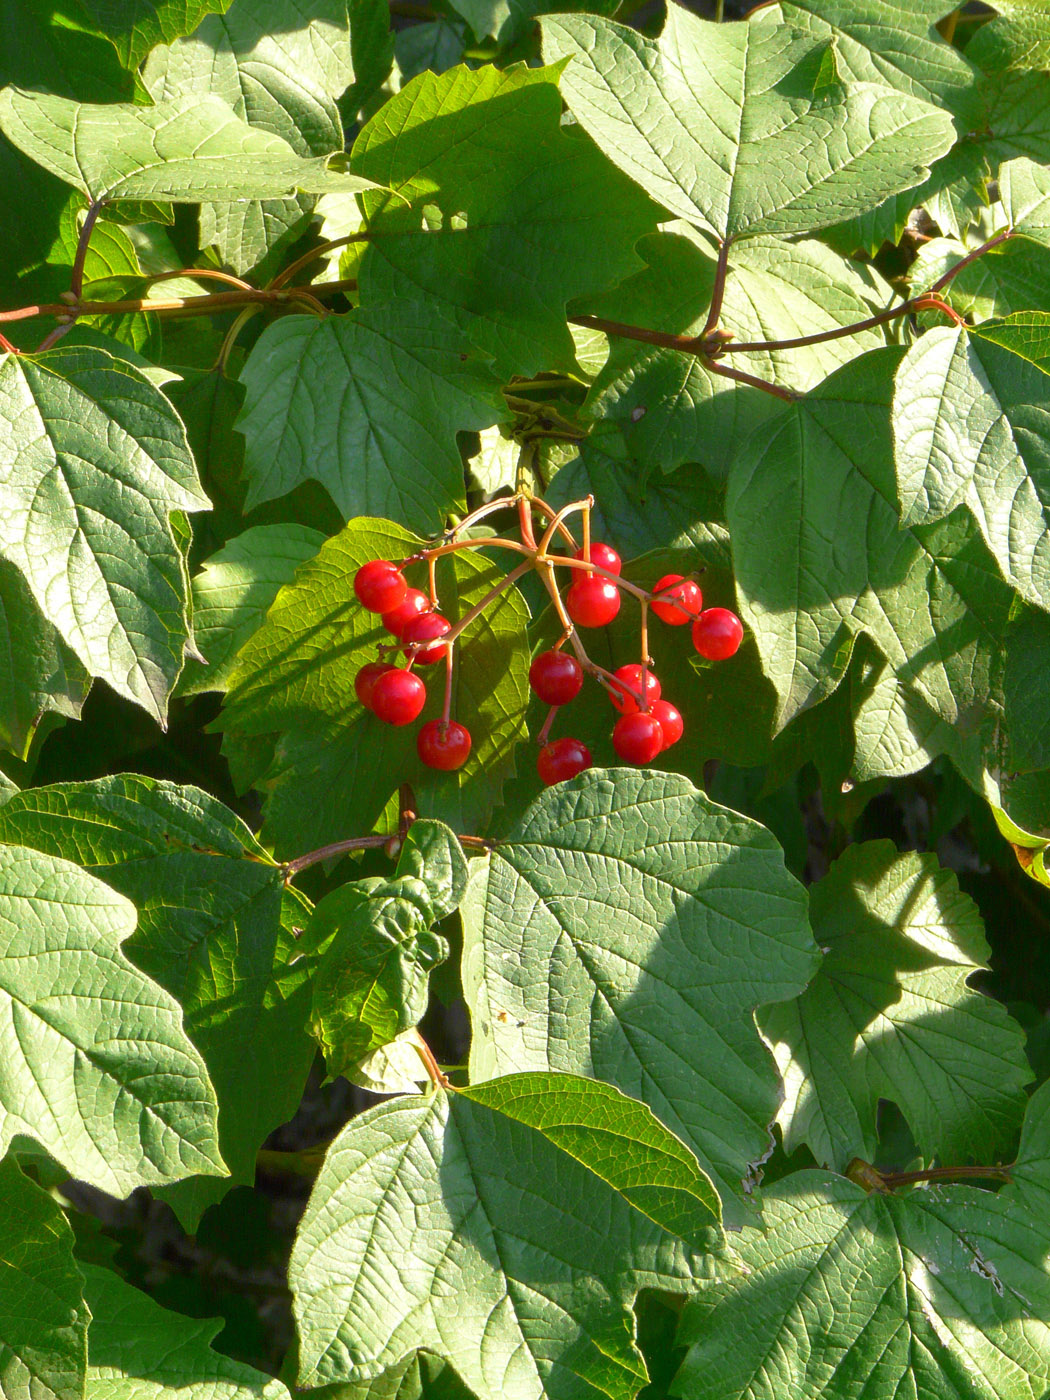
<point>524,700</point>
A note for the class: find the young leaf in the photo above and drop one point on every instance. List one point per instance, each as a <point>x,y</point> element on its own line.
<point>724,126</point>
<point>626,927</point>
<point>332,765</point>
<point>521,215</point>
<point>433,855</point>
<point>97,459</point>
<point>234,590</point>
<point>43,1319</point>
<point>368,404</point>
<point>438,1222</point>
<point>279,78</point>
<point>190,150</point>
<point>970,428</point>
<point>890,1016</point>
<point>139,1351</point>
<point>371,980</point>
<point>820,555</point>
<point>941,1293</point>
<point>98,1068</point>
<point>215,929</point>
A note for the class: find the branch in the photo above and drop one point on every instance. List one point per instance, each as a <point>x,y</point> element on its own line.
<point>193,306</point>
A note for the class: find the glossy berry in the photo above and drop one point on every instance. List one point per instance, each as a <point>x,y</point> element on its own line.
<point>364,681</point>
<point>425,628</point>
<point>631,676</point>
<point>669,720</point>
<point>398,697</point>
<point>414,604</point>
<point>684,600</point>
<point>443,744</point>
<point>562,759</point>
<point>637,738</point>
<point>380,585</point>
<point>604,556</point>
<point>717,633</point>
<point>592,601</point>
<point>556,677</point>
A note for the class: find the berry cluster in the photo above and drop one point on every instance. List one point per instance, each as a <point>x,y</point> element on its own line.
<point>647,724</point>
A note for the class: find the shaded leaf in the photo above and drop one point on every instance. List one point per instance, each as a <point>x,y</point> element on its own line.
<point>890,1016</point>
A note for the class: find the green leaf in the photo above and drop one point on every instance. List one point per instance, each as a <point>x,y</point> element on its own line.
<point>626,927</point>
<point>38,672</point>
<point>506,208</point>
<point>970,429</point>
<point>1016,40</point>
<point>98,1068</point>
<point>215,930</point>
<point>43,1320</point>
<point>277,77</point>
<point>1030,1173</point>
<point>140,1351</point>
<point>940,1293</point>
<point>670,407</point>
<point>233,592</point>
<point>616,1138</point>
<point>820,555</point>
<point>432,854</point>
<point>887,41</point>
<point>368,404</point>
<point>890,1016</point>
<point>332,766</point>
<point>135,26</point>
<point>1011,277</point>
<point>97,459</point>
<point>721,123</point>
<point>372,978</point>
<point>1026,680</point>
<point>438,1222</point>
<point>191,150</point>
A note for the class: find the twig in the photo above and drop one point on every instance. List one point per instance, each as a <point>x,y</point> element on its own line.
<point>718,290</point>
<point>194,306</point>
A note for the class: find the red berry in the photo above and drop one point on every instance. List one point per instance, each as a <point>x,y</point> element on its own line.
<point>684,600</point>
<point>398,697</point>
<point>631,676</point>
<point>425,628</point>
<point>556,677</point>
<point>604,556</point>
<point>669,720</point>
<point>592,601</point>
<point>717,633</point>
<point>413,605</point>
<point>364,681</point>
<point>637,738</point>
<point>562,759</point>
<point>443,744</point>
<point>380,585</point>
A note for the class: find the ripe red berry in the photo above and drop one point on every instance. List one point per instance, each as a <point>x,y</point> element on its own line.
<point>364,681</point>
<point>425,628</point>
<point>592,601</point>
<point>380,585</point>
<point>414,604</point>
<point>717,633</point>
<point>684,600</point>
<point>443,744</point>
<point>556,677</point>
<point>604,556</point>
<point>669,720</point>
<point>398,697</point>
<point>637,738</point>
<point>562,759</point>
<point>631,676</point>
